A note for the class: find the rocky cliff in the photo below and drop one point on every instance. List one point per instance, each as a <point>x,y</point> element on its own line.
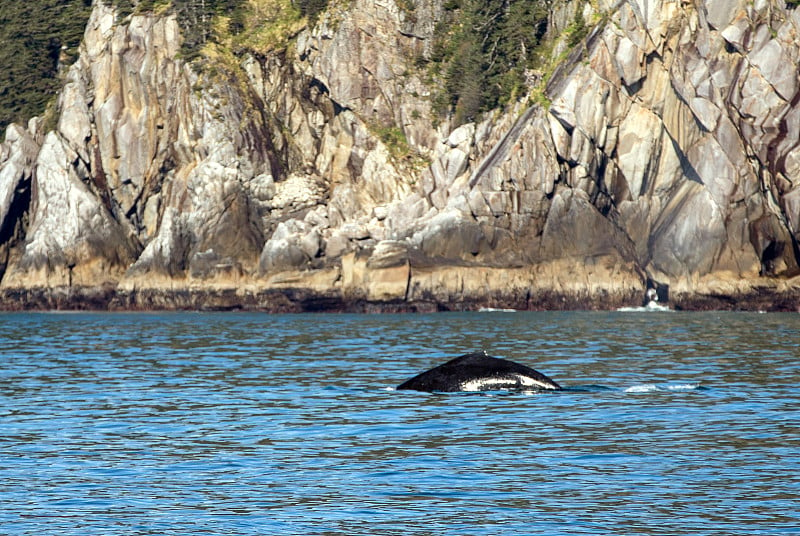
<point>663,150</point>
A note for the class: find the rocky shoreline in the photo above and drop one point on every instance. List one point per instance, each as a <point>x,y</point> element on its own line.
<point>772,298</point>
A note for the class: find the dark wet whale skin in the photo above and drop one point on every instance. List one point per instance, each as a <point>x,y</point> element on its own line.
<point>479,372</point>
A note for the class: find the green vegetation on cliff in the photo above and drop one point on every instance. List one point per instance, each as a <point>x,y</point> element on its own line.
<point>255,23</point>
<point>483,50</point>
<point>36,37</point>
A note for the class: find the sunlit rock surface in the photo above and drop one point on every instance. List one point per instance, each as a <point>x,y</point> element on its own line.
<point>668,151</point>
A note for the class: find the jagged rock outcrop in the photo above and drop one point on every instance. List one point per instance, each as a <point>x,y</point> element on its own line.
<point>17,162</point>
<point>314,177</point>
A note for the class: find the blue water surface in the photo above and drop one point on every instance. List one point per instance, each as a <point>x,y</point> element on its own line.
<point>189,423</point>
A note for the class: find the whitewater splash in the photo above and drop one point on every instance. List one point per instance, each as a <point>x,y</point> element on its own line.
<point>652,387</point>
<point>651,307</point>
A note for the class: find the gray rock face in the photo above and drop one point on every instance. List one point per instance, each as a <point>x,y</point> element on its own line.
<point>18,157</point>
<point>17,164</point>
<point>669,151</point>
<point>73,238</point>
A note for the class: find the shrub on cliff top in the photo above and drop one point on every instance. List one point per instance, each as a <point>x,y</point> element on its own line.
<point>260,25</point>
<point>268,25</point>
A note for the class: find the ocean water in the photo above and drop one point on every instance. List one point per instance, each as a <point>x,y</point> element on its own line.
<point>251,424</point>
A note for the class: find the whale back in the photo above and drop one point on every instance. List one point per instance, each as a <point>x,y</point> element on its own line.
<point>479,372</point>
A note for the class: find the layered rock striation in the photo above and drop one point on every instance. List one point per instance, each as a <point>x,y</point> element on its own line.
<point>664,151</point>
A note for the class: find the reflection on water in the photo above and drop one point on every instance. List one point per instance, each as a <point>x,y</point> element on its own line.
<point>671,423</point>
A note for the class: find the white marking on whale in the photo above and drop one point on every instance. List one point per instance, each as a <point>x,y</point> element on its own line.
<point>516,382</point>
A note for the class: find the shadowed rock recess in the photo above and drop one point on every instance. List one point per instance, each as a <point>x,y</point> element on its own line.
<point>663,149</point>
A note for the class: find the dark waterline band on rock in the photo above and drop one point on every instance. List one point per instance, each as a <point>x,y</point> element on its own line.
<point>110,298</point>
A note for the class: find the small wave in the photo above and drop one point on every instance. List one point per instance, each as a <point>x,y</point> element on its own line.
<point>495,310</point>
<point>652,387</point>
<point>684,387</point>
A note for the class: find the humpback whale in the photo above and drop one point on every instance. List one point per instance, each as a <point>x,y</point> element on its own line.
<point>479,371</point>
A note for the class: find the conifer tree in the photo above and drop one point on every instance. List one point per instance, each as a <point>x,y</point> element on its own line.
<point>488,52</point>
<point>36,39</point>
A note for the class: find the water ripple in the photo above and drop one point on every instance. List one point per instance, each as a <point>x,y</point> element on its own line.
<point>252,424</point>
